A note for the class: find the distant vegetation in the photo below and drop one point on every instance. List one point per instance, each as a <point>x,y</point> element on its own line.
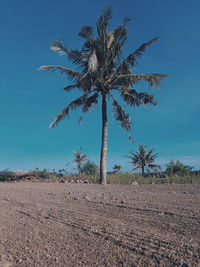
<point>90,173</point>
<point>129,178</point>
<point>178,168</point>
<point>6,175</point>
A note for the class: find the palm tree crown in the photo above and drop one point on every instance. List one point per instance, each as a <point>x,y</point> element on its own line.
<point>101,70</point>
<point>79,159</point>
<point>143,159</point>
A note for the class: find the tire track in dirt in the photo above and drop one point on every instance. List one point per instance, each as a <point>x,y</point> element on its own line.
<point>93,232</point>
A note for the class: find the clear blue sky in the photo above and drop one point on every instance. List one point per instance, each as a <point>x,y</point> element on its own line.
<point>30,99</point>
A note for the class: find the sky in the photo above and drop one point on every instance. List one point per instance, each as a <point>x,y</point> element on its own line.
<point>30,99</point>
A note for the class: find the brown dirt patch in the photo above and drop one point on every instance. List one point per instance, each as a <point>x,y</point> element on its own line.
<point>92,225</point>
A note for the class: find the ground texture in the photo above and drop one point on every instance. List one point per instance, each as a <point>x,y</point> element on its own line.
<point>65,224</point>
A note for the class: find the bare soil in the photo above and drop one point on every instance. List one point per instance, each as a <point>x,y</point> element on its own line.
<point>66,224</point>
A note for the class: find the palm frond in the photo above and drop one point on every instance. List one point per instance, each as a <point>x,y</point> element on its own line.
<point>65,112</point>
<point>69,72</point>
<point>154,167</point>
<point>103,21</point>
<point>111,39</point>
<point>58,47</point>
<point>132,58</point>
<point>89,102</point>
<point>90,82</point>
<point>70,87</point>
<point>107,15</point>
<point>136,168</point>
<point>118,38</point>
<point>86,32</point>
<point>133,98</point>
<point>121,116</point>
<point>93,62</point>
<point>129,79</point>
<point>75,56</point>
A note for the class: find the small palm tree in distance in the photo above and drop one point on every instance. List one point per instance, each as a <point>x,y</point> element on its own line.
<point>79,159</point>
<point>143,160</point>
<point>117,168</point>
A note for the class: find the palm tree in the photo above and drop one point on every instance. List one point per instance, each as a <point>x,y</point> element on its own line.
<point>101,71</point>
<point>79,159</point>
<point>117,168</point>
<point>143,159</point>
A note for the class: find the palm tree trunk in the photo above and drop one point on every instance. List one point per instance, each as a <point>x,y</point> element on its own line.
<point>142,170</point>
<point>79,169</point>
<point>103,169</point>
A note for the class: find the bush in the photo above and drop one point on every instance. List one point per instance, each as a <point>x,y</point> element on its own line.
<point>177,168</point>
<point>6,175</point>
<point>41,173</point>
<point>89,168</point>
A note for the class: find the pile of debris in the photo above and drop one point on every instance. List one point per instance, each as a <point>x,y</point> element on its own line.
<point>28,177</point>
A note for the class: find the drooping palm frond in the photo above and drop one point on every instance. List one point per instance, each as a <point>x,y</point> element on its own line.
<point>130,79</point>
<point>73,105</point>
<point>133,98</point>
<point>76,57</point>
<point>89,102</point>
<point>121,116</point>
<point>72,74</point>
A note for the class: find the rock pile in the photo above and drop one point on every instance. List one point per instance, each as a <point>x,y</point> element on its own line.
<point>26,177</point>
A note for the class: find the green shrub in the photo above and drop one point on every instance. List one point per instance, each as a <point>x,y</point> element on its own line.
<point>178,168</point>
<point>44,173</point>
<point>6,175</point>
<point>89,168</point>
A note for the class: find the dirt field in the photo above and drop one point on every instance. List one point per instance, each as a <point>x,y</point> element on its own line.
<point>47,224</point>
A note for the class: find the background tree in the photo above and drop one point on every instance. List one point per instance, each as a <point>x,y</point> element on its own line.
<point>116,168</point>
<point>177,168</point>
<point>90,168</point>
<point>102,70</point>
<point>79,159</point>
<point>143,159</point>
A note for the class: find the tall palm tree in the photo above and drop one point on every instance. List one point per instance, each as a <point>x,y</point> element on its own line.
<point>79,159</point>
<point>101,71</point>
<point>143,159</point>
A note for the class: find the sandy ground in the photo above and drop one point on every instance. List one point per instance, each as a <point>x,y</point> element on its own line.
<point>49,224</point>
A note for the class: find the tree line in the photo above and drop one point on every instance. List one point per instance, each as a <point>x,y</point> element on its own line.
<point>142,160</point>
